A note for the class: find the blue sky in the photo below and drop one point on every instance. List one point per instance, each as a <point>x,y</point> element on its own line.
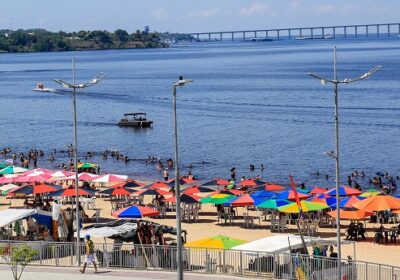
<point>192,15</point>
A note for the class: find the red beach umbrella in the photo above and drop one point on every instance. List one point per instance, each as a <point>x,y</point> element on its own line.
<point>274,188</point>
<point>318,190</point>
<point>197,189</point>
<point>251,183</point>
<point>243,200</point>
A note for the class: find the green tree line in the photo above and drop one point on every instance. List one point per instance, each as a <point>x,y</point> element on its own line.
<point>40,40</point>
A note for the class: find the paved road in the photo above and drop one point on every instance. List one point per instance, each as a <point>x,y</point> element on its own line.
<point>57,273</point>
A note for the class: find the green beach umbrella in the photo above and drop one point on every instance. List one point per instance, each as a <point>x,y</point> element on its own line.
<point>12,170</point>
<point>216,242</point>
<point>3,165</point>
<point>217,199</point>
<point>370,192</point>
<point>306,206</point>
<point>273,203</point>
<point>87,165</point>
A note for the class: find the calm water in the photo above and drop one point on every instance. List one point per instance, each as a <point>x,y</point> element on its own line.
<point>251,103</point>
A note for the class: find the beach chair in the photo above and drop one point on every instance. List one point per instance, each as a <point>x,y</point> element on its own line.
<point>91,203</point>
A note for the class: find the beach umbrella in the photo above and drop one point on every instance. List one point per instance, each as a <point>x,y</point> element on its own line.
<point>5,189</point>
<point>291,196</point>
<point>87,165</point>
<point>370,192</point>
<point>182,181</point>
<point>37,189</point>
<point>128,184</point>
<point>72,192</point>
<point>152,192</point>
<point>84,176</point>
<point>228,192</point>
<point>378,203</point>
<point>110,178</point>
<point>197,189</point>
<point>304,191</point>
<point>306,206</point>
<point>135,212</point>
<point>348,202</point>
<point>37,171</point>
<point>185,198</point>
<point>32,178</point>
<point>327,200</point>
<point>351,214</point>
<point>263,193</point>
<point>216,242</point>
<point>12,170</point>
<point>343,191</point>
<point>240,201</point>
<point>274,187</point>
<point>60,174</point>
<point>318,190</point>
<point>217,182</point>
<point>251,183</point>
<point>3,165</point>
<point>272,203</point>
<point>159,185</point>
<point>117,191</point>
<point>217,199</point>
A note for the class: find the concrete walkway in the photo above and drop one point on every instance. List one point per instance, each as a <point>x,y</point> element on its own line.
<point>60,273</point>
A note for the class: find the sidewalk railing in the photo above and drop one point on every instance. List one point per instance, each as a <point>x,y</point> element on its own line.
<point>210,261</point>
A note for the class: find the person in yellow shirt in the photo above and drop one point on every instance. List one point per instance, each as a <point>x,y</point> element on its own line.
<point>90,257</point>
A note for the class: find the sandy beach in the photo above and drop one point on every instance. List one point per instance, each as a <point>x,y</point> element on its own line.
<point>208,226</point>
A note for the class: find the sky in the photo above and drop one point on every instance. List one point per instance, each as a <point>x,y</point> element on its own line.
<point>188,16</point>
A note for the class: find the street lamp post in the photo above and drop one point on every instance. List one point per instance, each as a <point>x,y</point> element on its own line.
<point>95,80</point>
<point>335,155</point>
<point>181,82</point>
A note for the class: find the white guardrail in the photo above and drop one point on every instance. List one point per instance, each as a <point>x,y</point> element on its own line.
<point>211,261</point>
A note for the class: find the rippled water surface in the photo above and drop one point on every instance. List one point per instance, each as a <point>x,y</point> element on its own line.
<point>251,103</point>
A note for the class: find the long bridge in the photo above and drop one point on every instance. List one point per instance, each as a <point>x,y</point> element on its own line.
<point>320,32</point>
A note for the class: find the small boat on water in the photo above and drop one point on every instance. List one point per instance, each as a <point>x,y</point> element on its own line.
<point>135,120</point>
<point>41,87</point>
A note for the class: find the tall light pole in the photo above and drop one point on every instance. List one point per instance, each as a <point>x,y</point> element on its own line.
<point>95,80</point>
<point>181,82</point>
<point>335,155</point>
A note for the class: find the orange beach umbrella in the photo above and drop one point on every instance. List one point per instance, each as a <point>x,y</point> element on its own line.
<point>378,203</point>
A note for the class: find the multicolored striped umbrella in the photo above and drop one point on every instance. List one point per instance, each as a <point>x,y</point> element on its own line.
<point>135,212</point>
<point>344,191</point>
<point>12,170</point>
<point>306,206</point>
<point>273,203</point>
<point>370,192</point>
<point>217,199</point>
<point>240,201</point>
<point>291,196</point>
<point>318,190</point>
<point>216,242</point>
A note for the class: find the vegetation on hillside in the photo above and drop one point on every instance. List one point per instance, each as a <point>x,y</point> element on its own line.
<point>40,40</point>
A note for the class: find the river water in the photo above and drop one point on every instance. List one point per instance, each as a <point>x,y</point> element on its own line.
<point>250,103</point>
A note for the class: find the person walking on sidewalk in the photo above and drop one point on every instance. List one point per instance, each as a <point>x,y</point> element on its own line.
<point>90,258</point>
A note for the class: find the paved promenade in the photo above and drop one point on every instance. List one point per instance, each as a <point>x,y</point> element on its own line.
<point>57,273</point>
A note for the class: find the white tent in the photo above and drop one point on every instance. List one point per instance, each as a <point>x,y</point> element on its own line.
<point>9,216</point>
<point>108,231</point>
<point>282,243</point>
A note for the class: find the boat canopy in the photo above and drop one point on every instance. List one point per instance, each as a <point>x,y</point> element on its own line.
<point>134,114</point>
